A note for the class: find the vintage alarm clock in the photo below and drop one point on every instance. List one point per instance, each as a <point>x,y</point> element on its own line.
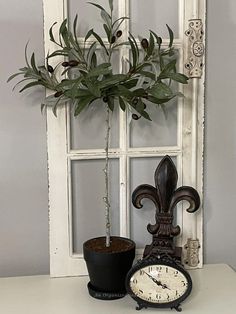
<point>159,279</point>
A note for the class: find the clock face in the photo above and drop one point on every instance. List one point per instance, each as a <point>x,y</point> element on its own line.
<point>160,284</point>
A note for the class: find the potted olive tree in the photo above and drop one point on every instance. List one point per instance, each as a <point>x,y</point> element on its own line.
<point>80,80</point>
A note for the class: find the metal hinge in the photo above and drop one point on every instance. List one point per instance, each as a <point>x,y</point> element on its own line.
<point>192,256</point>
<point>196,48</point>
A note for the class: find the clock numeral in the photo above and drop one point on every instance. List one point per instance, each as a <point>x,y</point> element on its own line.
<point>176,273</point>
<point>176,292</point>
<point>167,270</point>
<point>149,269</point>
<point>149,299</point>
<point>135,281</point>
<point>141,272</point>
<point>158,296</point>
<point>184,283</point>
<point>141,291</point>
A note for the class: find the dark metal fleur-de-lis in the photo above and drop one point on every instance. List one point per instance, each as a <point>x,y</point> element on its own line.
<point>165,196</point>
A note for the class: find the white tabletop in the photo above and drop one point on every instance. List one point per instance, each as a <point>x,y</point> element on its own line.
<point>214,291</point>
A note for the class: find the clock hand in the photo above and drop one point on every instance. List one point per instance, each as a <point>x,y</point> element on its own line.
<point>153,279</point>
<point>164,286</point>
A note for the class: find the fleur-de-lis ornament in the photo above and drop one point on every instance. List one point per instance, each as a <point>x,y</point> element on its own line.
<point>165,196</point>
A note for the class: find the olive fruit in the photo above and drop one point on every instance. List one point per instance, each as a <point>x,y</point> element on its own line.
<point>113,39</point>
<point>73,63</point>
<point>119,33</point>
<point>50,69</point>
<point>144,43</point>
<point>58,94</point>
<point>135,116</point>
<point>65,64</point>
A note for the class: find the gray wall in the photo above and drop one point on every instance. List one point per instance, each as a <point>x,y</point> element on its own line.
<point>23,167</point>
<point>23,159</point>
<point>220,135</point>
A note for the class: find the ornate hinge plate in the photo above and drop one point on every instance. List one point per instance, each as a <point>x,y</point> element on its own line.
<point>196,48</point>
<point>192,256</point>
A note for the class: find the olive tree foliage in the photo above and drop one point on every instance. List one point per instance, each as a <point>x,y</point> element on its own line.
<point>82,77</point>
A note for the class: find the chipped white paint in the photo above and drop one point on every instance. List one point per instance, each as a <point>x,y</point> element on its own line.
<point>61,261</point>
<point>193,139</point>
<point>123,10</point>
<point>189,150</point>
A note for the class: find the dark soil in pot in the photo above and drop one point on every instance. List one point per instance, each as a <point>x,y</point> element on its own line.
<point>108,266</point>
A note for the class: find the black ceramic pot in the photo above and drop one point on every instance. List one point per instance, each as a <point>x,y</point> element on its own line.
<point>108,270</point>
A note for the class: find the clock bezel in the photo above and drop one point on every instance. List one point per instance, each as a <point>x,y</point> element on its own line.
<point>158,262</point>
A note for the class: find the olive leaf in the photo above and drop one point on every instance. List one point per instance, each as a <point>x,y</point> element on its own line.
<point>51,36</point>
<point>13,76</point>
<point>134,50</point>
<point>122,104</point>
<point>111,103</point>
<point>171,36</point>
<point>93,61</point>
<point>151,45</point>
<point>91,51</point>
<point>111,5</point>
<point>29,85</point>
<point>106,18</point>
<point>102,69</point>
<point>158,39</point>
<point>89,33</point>
<point>99,39</point>
<point>161,91</point>
<point>111,80</point>
<point>169,67</point>
<point>119,22</point>
<point>178,77</point>
<point>108,32</point>
<point>81,103</point>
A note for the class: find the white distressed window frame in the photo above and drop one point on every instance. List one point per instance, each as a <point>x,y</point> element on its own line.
<point>189,150</point>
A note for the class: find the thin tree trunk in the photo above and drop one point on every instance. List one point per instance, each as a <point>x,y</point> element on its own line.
<point>106,172</point>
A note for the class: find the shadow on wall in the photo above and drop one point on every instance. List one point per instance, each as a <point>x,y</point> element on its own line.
<point>220,133</point>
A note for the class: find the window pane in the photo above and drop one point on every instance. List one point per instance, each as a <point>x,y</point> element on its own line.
<point>154,15</point>
<point>88,15</point>
<point>88,130</point>
<point>142,172</point>
<point>88,190</point>
<point>161,131</point>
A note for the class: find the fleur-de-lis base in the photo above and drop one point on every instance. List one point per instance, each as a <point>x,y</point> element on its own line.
<point>165,196</point>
